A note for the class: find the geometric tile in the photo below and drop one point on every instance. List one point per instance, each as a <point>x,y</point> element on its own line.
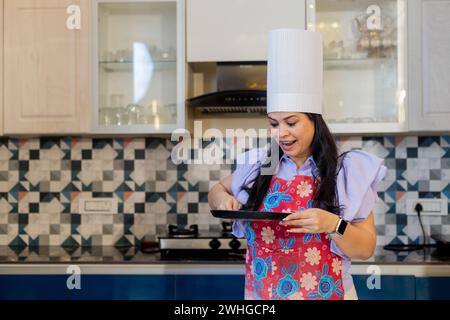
<point>123,242</point>
<point>435,174</point>
<point>70,242</point>
<point>41,180</point>
<point>17,242</point>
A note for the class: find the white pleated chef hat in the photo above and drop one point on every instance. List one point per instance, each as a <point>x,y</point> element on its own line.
<point>295,71</point>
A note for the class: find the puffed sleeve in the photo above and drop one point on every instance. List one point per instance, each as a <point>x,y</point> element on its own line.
<point>356,184</point>
<point>248,165</point>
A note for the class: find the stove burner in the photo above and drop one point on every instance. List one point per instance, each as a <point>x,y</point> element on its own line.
<point>176,232</point>
<point>188,243</point>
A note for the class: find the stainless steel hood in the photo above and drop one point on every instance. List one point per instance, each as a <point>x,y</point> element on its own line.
<point>241,88</point>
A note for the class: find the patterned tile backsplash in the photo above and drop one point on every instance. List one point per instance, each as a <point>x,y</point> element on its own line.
<point>42,180</point>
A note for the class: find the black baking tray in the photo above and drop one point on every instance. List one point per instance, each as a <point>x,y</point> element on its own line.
<point>248,215</point>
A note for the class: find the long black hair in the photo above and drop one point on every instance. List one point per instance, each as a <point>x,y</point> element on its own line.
<point>325,155</point>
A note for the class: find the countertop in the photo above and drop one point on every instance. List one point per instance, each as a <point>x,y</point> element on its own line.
<point>133,255</point>
<point>130,260</point>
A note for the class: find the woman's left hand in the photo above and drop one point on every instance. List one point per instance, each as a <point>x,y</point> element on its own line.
<point>312,220</point>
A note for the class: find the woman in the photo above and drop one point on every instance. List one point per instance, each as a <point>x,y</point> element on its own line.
<point>329,198</point>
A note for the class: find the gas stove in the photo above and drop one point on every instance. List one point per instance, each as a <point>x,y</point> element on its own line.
<point>189,243</point>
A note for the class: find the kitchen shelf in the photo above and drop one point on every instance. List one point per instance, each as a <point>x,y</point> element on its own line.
<point>358,63</point>
<point>127,66</point>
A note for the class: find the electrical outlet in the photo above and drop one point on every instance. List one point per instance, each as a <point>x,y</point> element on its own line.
<point>98,206</point>
<point>431,207</point>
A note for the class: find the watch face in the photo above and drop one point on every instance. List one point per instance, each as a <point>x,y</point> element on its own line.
<point>342,227</point>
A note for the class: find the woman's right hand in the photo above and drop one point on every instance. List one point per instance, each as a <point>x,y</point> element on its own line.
<point>220,196</point>
<point>225,201</point>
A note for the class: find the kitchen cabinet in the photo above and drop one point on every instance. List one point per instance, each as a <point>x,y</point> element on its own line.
<point>124,287</point>
<point>46,66</point>
<point>93,287</point>
<point>433,288</point>
<point>209,287</point>
<point>236,30</point>
<point>365,55</point>
<point>429,65</point>
<point>195,287</point>
<point>139,66</point>
<point>391,288</point>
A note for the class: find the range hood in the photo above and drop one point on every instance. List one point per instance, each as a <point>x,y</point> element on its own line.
<point>241,88</point>
<point>232,101</point>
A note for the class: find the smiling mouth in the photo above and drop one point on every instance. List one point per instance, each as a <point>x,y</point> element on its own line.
<point>287,143</point>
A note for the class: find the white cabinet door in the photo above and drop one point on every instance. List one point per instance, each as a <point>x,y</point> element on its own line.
<point>364,63</point>
<point>429,65</point>
<point>46,67</point>
<point>237,30</point>
<point>139,66</point>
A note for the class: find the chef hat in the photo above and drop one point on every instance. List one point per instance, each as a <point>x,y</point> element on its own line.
<point>295,71</point>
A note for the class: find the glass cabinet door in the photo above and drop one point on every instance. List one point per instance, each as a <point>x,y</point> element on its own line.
<point>364,63</point>
<point>139,69</point>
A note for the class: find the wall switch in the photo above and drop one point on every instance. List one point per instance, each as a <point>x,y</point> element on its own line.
<point>98,206</point>
<point>431,207</point>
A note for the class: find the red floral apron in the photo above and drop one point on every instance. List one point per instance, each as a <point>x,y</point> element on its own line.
<point>297,266</point>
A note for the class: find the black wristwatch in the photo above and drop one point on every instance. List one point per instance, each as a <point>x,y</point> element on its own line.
<point>340,228</point>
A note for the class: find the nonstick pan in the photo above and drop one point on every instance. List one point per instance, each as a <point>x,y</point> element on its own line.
<point>248,215</point>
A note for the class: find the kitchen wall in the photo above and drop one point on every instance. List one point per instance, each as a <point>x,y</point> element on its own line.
<point>41,181</point>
